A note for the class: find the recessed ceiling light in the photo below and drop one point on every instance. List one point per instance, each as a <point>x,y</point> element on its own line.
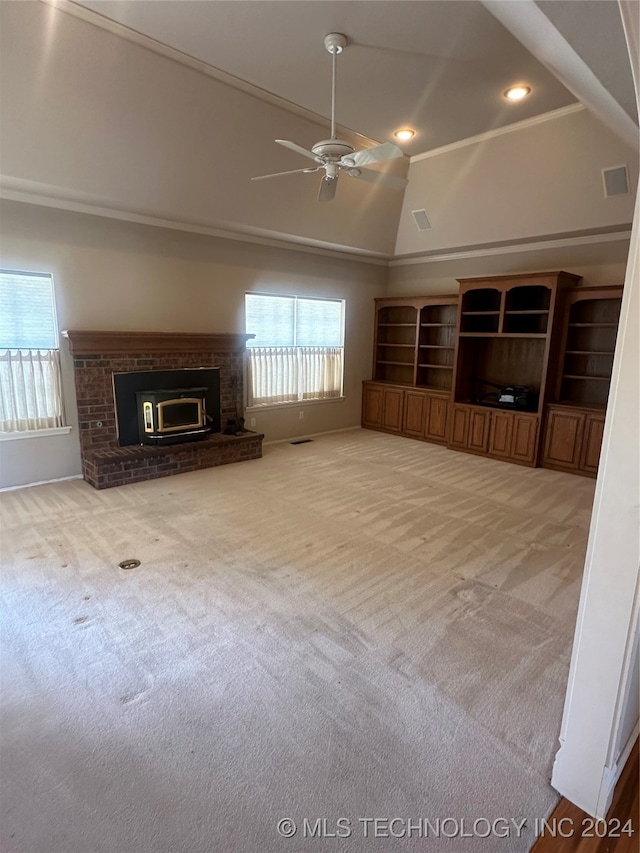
<point>516,93</point>
<point>405,134</point>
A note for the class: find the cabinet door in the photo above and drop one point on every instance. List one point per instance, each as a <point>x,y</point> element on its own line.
<point>591,443</point>
<point>500,434</point>
<point>479,423</point>
<point>372,405</point>
<point>563,438</point>
<point>459,431</point>
<point>392,409</point>
<point>437,417</point>
<point>416,407</point>
<point>525,433</point>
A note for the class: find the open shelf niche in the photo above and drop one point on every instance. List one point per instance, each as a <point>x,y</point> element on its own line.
<point>589,345</point>
<point>415,341</point>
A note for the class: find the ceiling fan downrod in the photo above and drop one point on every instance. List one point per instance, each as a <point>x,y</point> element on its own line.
<point>335,43</point>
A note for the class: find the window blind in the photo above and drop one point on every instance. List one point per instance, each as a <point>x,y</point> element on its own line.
<point>297,352</point>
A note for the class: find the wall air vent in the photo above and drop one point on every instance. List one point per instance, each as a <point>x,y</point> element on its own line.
<point>616,181</point>
<point>421,220</point>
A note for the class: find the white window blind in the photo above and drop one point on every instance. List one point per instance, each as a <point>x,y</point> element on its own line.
<point>297,352</point>
<point>30,389</point>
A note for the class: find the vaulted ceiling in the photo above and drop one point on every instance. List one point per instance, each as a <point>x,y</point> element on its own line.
<point>163,112</point>
<point>440,68</point>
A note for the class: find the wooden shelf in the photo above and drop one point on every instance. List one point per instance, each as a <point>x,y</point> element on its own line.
<point>397,363</point>
<point>480,313</point>
<point>409,346</point>
<point>435,346</point>
<point>533,335</point>
<point>586,377</point>
<point>528,311</point>
<point>593,325</point>
<point>437,325</point>
<point>437,366</point>
<point>589,352</point>
<point>403,325</point>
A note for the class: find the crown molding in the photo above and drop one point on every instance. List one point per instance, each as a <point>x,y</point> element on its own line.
<point>500,131</point>
<point>121,30</point>
<point>45,195</point>
<point>513,248</point>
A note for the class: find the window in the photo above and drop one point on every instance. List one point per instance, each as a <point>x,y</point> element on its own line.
<point>30,391</point>
<point>297,352</point>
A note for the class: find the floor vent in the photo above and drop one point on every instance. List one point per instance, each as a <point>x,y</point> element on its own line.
<point>301,441</point>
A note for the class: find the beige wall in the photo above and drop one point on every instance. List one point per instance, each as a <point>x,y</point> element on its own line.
<point>114,275</point>
<point>541,180</point>
<point>599,264</point>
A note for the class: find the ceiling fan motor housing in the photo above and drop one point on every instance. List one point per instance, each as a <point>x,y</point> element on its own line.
<point>332,148</point>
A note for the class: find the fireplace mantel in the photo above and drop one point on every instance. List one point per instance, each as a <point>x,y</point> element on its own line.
<point>92,342</point>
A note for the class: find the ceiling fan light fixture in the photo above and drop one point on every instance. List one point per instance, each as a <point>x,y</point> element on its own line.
<point>517,93</point>
<point>404,134</point>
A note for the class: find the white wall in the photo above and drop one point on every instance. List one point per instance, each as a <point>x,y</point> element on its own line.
<point>600,719</point>
<point>90,116</point>
<point>541,180</point>
<point>114,275</point>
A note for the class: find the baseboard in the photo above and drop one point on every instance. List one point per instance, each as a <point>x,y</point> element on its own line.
<point>41,483</point>
<point>612,774</point>
<point>309,435</point>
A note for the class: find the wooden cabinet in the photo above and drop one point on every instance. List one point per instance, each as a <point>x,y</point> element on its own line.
<point>415,341</point>
<point>437,419</point>
<point>591,443</point>
<point>442,362</point>
<point>509,328</point>
<point>416,407</point>
<point>573,438</point>
<point>524,442</point>
<point>563,438</point>
<point>414,412</point>
<point>501,434</point>
<point>382,407</point>
<point>589,342</point>
<point>497,433</point>
<point>479,424</point>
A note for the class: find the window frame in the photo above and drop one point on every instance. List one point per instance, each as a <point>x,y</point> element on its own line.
<point>63,427</point>
<point>300,401</point>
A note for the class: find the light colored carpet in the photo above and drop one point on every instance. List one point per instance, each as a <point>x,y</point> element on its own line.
<point>359,627</point>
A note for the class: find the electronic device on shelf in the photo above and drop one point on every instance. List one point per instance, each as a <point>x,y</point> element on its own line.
<point>519,397</point>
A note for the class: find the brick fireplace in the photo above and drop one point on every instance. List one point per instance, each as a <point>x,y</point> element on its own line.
<point>98,355</point>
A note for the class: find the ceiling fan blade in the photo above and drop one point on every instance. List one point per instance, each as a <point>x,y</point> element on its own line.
<point>298,148</point>
<point>386,151</point>
<point>391,182</point>
<point>328,187</point>
<point>291,172</point>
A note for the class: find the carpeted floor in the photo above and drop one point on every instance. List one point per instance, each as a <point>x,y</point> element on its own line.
<point>358,627</point>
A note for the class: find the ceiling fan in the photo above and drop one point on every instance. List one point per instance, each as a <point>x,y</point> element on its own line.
<point>335,155</point>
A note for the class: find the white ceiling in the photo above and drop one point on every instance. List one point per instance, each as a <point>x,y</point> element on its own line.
<point>439,67</point>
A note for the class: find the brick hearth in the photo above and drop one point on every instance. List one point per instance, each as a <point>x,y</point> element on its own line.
<point>98,355</point>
